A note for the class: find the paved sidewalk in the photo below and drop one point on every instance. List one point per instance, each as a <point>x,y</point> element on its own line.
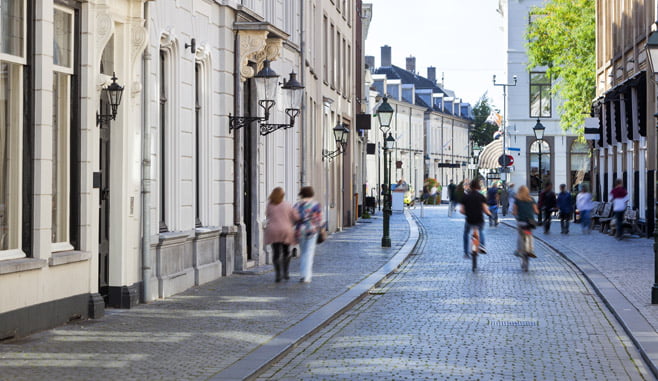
<point>202,332</point>
<point>622,273</point>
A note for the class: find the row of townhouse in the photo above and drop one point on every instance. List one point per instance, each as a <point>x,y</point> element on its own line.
<point>430,126</point>
<point>169,191</point>
<point>626,103</point>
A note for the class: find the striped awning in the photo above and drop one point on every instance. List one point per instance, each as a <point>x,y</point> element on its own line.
<point>490,154</point>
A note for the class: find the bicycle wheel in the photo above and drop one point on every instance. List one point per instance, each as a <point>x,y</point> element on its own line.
<point>475,249</point>
<point>474,261</point>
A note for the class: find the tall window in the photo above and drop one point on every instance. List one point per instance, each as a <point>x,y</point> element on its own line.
<point>580,164</point>
<point>338,65</point>
<point>540,95</point>
<point>61,161</point>
<point>539,178</point>
<point>197,119</point>
<point>325,58</point>
<point>163,125</point>
<point>332,53</point>
<point>12,58</point>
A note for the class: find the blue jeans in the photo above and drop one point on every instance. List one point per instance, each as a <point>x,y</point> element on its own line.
<point>307,252</point>
<point>467,235</point>
<point>585,220</point>
<point>493,218</point>
<point>619,217</point>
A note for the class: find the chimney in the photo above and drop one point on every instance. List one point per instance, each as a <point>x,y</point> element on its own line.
<point>411,64</point>
<point>431,74</point>
<point>386,56</point>
<point>370,62</point>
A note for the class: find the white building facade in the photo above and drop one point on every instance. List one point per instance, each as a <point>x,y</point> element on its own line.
<point>563,158</point>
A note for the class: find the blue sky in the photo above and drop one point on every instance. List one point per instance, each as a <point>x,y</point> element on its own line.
<point>463,39</point>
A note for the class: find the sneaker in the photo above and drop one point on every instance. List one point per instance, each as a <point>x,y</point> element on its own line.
<point>483,250</point>
<point>531,254</point>
<point>467,256</point>
<point>516,253</point>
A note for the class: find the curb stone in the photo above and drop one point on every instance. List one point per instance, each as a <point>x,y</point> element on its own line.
<point>253,364</point>
<point>636,326</point>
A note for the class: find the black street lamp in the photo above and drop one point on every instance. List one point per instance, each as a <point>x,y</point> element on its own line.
<point>539,130</point>
<point>112,96</point>
<point>385,115</point>
<point>652,53</point>
<point>341,134</point>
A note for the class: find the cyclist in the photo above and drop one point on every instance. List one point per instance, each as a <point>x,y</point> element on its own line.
<point>524,210</point>
<point>473,205</point>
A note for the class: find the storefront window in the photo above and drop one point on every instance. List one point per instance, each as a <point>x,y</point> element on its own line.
<point>580,164</point>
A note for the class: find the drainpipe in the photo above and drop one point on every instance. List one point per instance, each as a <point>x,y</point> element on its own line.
<point>146,170</point>
<point>302,74</point>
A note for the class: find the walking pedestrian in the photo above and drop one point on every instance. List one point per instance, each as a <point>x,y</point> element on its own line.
<point>504,199</point>
<point>280,232</point>
<point>619,198</point>
<point>585,206</point>
<point>566,208</point>
<point>474,204</point>
<point>511,195</point>
<point>492,202</point>
<point>307,229</point>
<point>452,188</point>
<point>547,205</point>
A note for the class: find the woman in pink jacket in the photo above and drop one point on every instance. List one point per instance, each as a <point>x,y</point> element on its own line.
<point>280,231</point>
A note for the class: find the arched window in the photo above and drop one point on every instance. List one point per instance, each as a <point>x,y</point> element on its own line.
<point>579,169</point>
<point>537,151</point>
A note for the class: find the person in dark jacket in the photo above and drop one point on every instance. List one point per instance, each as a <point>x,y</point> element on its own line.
<point>547,205</point>
<point>565,205</point>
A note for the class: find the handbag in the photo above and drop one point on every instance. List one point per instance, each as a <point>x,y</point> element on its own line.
<point>322,235</point>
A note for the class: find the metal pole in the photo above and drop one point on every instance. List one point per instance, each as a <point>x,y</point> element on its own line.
<point>386,238</point>
<point>505,86</point>
<point>541,180</point>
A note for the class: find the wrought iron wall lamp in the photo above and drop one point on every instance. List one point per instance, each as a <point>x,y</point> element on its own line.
<point>112,95</point>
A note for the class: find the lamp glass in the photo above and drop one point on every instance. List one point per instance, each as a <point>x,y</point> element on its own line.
<point>539,130</point>
<point>295,89</point>
<point>267,81</point>
<point>385,114</point>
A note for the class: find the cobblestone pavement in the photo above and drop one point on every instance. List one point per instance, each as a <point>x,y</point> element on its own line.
<point>628,264</point>
<point>194,335</point>
<point>435,319</point>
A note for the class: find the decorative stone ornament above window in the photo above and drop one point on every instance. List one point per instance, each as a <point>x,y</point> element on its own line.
<point>258,41</point>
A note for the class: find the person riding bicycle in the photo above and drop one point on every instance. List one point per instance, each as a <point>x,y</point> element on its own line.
<point>473,205</point>
<point>525,209</point>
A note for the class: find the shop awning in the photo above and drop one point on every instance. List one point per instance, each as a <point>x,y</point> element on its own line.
<point>490,154</point>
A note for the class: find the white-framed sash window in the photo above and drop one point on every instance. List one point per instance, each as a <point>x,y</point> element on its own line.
<point>63,43</point>
<point>13,31</point>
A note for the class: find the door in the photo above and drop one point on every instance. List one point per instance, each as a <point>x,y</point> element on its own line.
<point>104,213</point>
<point>249,170</point>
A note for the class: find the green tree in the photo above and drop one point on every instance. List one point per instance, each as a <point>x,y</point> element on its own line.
<point>482,131</point>
<point>562,37</point>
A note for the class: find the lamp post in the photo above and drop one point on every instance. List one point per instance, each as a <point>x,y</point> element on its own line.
<point>539,130</point>
<point>505,86</point>
<point>385,115</point>
<point>652,54</point>
<point>112,96</point>
<point>476,160</point>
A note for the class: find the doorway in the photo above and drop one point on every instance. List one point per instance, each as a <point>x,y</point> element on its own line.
<point>104,212</point>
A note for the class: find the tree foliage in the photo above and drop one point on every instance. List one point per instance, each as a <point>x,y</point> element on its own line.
<point>482,132</point>
<point>562,37</point>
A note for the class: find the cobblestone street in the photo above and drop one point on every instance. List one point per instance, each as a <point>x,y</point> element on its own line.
<point>435,319</point>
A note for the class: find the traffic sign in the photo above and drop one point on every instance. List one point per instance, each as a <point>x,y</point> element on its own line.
<point>506,160</point>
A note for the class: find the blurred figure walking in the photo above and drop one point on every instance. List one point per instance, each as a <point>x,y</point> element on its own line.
<point>584,205</point>
<point>565,207</point>
<point>307,229</point>
<point>280,232</point>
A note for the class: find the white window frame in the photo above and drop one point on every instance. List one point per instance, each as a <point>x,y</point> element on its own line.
<point>63,143</point>
<point>16,172</point>
<point>19,59</point>
<point>64,69</point>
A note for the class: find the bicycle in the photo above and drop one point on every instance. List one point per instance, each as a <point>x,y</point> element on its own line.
<point>475,247</point>
<point>525,245</point>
